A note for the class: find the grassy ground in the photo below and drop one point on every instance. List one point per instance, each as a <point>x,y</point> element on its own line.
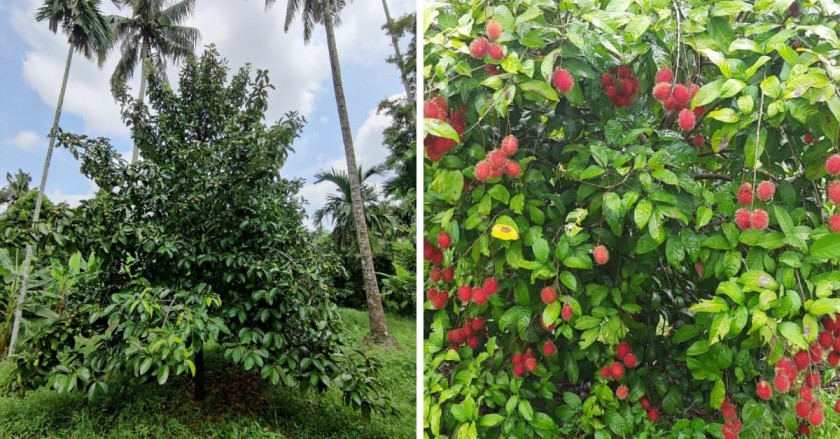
<point>235,408</point>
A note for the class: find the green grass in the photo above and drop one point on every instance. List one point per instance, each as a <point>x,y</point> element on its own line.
<point>238,405</point>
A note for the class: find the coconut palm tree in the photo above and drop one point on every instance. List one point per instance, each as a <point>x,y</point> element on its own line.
<point>16,186</point>
<point>389,24</point>
<point>326,12</point>
<point>87,33</point>
<point>151,35</point>
<point>339,208</point>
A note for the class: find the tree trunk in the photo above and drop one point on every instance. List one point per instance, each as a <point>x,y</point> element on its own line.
<point>379,333</point>
<point>27,261</point>
<point>143,57</point>
<point>395,42</point>
<point>199,392</point>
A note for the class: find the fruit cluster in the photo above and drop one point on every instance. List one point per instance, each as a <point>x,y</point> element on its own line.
<point>435,257</point>
<point>652,412</point>
<point>620,85</point>
<point>436,146</point>
<point>732,425</point>
<point>523,362</point>
<point>832,189</point>
<point>481,47</point>
<point>677,98</point>
<point>468,334</point>
<point>757,218</point>
<point>498,162</point>
<point>478,295</point>
<point>549,296</point>
<point>615,370</point>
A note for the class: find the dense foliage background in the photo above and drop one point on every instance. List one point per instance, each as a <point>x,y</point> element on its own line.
<point>637,200</point>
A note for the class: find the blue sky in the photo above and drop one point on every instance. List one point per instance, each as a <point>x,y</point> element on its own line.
<point>32,61</point>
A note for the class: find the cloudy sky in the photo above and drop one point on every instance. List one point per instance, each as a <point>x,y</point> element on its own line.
<point>32,61</point>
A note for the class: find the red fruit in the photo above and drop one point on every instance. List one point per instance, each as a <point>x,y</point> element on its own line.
<point>698,112</point>
<point>477,324</point>
<point>804,430</point>
<point>459,336</point>
<point>834,222</point>
<point>645,402</point>
<point>832,165</point>
<point>825,339</point>
<point>548,295</point>
<point>563,80</point>
<point>621,392</point>
<point>496,52</point>
<point>548,349</point>
<point>482,171</point>
<point>836,345</point>
<point>443,239</point>
<point>808,138</point>
<point>530,364</point>
<point>670,103</point>
<point>519,370</point>
<point>509,145</point>
<point>763,390</point>
<point>806,394</point>
<point>682,96</point>
<point>478,47</point>
<point>472,342</point>
<point>816,418</point>
<point>622,350</point>
<point>742,219</point>
<point>833,359</point>
<point>698,140</point>
<point>661,91</point>
<point>464,293</point>
<point>517,358</point>
<point>494,29</point>
<point>616,370</point>
<point>812,380</point>
<point>630,360</point>
<point>728,409</point>
<point>610,91</point>
<point>759,219</point>
<point>781,383</point>
<point>802,408</point>
<point>606,373</point>
<point>491,286</point>
<point>496,172</point>
<point>448,274</point>
<point>686,120</point>
<point>491,69</point>
<point>624,72</point>
<point>729,434</point>
<point>431,294</point>
<point>653,415</point>
<point>497,158</point>
<point>831,322</point>
<point>435,275</point>
<point>816,353</point>
<point>601,255</point>
<point>664,75</point>
<point>801,359</point>
<point>566,312</point>
<point>833,191</point>
<point>606,79</point>
<point>837,406</point>
<point>478,296</point>
<point>430,110</point>
<point>513,170</point>
<point>765,191</point>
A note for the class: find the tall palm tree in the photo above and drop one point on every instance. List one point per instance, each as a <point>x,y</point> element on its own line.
<point>16,186</point>
<point>396,43</point>
<point>87,33</point>
<point>339,208</point>
<point>151,35</point>
<point>326,12</point>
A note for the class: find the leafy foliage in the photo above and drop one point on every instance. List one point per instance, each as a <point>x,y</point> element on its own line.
<point>708,308</point>
<point>201,242</point>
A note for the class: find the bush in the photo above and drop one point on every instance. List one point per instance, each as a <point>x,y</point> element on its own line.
<point>638,200</point>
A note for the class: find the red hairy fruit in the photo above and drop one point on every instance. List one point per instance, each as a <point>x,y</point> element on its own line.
<point>509,145</point>
<point>686,120</point>
<point>765,190</point>
<point>494,29</point>
<point>682,95</point>
<point>831,323</point>
<point>491,69</point>
<point>742,219</point>
<point>630,360</point>
<point>825,339</point>
<point>563,80</point>
<point>491,286</point>
<point>621,392</point>
<point>698,112</point>
<point>624,72</point>
<point>497,158</point>
<point>513,170</point>
<point>802,408</point>
<point>801,360</point>
<point>832,165</point>
<point>661,91</point>
<point>781,383</point>
<point>548,295</point>
<point>465,293</point>
<point>816,353</point>
<point>833,191</point>
<point>616,370</point>
<point>670,104</point>
<point>728,409</point>
<point>834,222</point>
<point>837,406</point>
<point>759,219</point>
<point>698,140</point>
<point>519,370</point>
<point>530,364</point>
<point>478,296</point>
<point>477,324</point>
<point>664,75</point>
<point>653,415</point>
<point>836,345</point>
<point>566,312</point>
<point>435,275</point>
<point>606,79</point>
<point>812,380</point>
<point>496,52</point>
<point>804,430</point>
<point>443,239</point>
<point>833,359</point>
<point>763,390</point>
<point>816,418</point>
<point>606,373</point>
<point>478,47</point>
<point>472,342</point>
<point>430,110</point>
<point>622,350</point>
<point>645,402</point>
<point>517,358</point>
<point>448,274</point>
<point>806,394</point>
<point>601,255</point>
<point>548,349</point>
<point>808,138</point>
<point>482,171</point>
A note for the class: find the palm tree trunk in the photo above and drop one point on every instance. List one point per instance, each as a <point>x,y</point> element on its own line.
<point>143,57</point>
<point>27,260</point>
<point>395,42</point>
<point>379,333</point>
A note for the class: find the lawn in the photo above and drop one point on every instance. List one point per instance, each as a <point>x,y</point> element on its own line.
<point>239,405</point>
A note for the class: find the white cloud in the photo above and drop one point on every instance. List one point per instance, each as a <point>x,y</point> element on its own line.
<point>29,141</point>
<point>58,196</point>
<point>360,37</point>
